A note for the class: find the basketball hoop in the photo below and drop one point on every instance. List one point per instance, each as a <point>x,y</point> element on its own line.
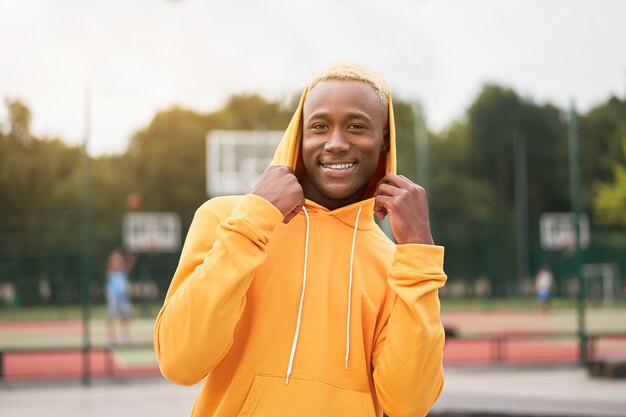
<point>557,231</point>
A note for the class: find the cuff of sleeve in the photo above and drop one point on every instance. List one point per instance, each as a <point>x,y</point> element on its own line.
<point>423,259</point>
<point>258,213</point>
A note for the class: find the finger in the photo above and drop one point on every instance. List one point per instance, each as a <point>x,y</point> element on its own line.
<point>383,181</point>
<point>391,179</point>
<point>401,181</point>
<point>293,213</point>
<point>389,190</point>
<point>382,206</point>
<point>286,170</point>
<point>381,212</point>
<point>408,180</point>
<point>289,217</point>
<point>279,168</point>
<point>384,201</point>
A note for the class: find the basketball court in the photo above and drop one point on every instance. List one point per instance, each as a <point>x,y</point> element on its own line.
<point>52,349</point>
<point>518,337</point>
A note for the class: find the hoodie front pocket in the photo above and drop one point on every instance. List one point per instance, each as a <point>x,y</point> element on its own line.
<point>269,396</point>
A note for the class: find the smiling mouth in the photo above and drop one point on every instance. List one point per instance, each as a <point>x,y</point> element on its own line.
<point>339,166</point>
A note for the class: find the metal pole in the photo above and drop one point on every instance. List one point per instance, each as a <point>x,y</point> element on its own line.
<point>422,158</point>
<point>86,264</point>
<point>421,148</point>
<point>574,167</point>
<point>521,209</point>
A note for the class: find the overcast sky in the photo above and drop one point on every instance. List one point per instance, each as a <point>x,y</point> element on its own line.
<point>138,57</point>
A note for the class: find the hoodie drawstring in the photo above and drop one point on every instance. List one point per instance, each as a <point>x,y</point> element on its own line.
<point>356,225</point>
<point>294,344</point>
<point>297,333</point>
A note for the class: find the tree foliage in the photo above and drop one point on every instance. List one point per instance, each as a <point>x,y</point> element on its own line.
<point>610,202</point>
<point>472,179</point>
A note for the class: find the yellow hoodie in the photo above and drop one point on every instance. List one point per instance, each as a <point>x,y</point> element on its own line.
<point>324,316</point>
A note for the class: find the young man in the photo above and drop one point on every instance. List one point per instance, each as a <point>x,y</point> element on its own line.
<point>290,301</point>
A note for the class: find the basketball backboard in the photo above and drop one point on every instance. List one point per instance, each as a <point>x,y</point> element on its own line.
<point>557,231</point>
<point>151,231</point>
<point>236,158</point>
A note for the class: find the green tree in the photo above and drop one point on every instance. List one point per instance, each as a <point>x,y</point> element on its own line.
<point>252,112</point>
<point>167,162</point>
<point>473,168</point>
<point>19,121</point>
<point>34,220</point>
<point>610,202</point>
<point>471,180</point>
<point>405,139</point>
<point>168,158</point>
<point>602,131</point>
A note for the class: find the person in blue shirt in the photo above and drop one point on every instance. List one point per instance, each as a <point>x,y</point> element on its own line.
<point>117,294</point>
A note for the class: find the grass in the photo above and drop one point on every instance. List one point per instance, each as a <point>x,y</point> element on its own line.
<point>50,335</point>
<point>448,303</point>
<point>67,312</point>
<point>523,304</point>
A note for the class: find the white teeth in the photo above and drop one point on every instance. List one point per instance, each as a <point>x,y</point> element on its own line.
<point>339,166</point>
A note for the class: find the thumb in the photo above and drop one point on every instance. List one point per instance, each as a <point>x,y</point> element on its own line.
<point>380,210</point>
<point>293,213</point>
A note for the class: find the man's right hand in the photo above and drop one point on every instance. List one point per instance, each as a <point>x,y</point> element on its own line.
<point>280,187</point>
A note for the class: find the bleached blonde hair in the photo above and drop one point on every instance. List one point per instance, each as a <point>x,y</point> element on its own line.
<point>349,70</point>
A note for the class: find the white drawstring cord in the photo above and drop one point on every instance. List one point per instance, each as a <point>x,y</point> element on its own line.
<point>356,225</point>
<point>297,333</point>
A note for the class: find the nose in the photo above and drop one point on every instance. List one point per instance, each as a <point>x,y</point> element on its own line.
<point>336,143</point>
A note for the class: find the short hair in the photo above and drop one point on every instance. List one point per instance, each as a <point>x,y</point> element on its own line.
<point>348,70</point>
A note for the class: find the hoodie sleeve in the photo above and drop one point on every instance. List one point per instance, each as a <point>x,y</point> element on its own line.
<point>408,353</point>
<point>194,329</point>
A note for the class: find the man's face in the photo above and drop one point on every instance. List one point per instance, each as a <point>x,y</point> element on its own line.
<point>344,132</point>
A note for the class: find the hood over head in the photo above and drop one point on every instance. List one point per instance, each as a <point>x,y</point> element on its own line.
<point>289,150</point>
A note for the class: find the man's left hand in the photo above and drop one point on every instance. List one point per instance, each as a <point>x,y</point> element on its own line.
<point>407,207</point>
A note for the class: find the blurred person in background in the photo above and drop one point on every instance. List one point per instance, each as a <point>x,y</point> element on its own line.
<point>117,295</point>
<point>543,287</point>
<point>291,300</point>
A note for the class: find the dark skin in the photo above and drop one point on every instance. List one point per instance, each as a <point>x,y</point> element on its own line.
<point>407,207</point>
<point>344,132</point>
<point>280,187</point>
